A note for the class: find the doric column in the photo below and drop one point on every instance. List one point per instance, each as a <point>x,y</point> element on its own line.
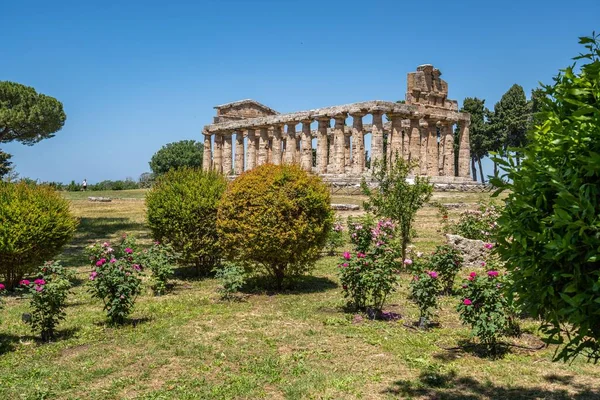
<point>324,123</point>
<point>239,152</point>
<point>415,144</point>
<point>406,140</point>
<point>394,138</point>
<point>358,143</point>
<point>448,150</point>
<point>227,154</point>
<point>331,152</point>
<point>276,145</point>
<point>290,144</point>
<point>218,153</point>
<point>347,155</point>
<point>424,131</point>
<point>263,145</point>
<point>340,144</point>
<point>207,153</point>
<point>432,150</point>
<point>251,153</point>
<point>376,137</point>
<point>464,153</point>
<point>306,152</point>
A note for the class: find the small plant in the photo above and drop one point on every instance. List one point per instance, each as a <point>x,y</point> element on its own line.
<point>448,262</point>
<point>486,309</point>
<point>359,230</point>
<point>478,224</point>
<point>416,262</point>
<point>114,278</point>
<point>369,277</point>
<point>232,278</point>
<point>443,212</point>
<point>424,290</point>
<point>159,260</point>
<point>48,295</point>
<point>335,239</point>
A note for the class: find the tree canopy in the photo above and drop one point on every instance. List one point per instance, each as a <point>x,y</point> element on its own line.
<point>185,153</point>
<point>27,116</point>
<point>5,165</point>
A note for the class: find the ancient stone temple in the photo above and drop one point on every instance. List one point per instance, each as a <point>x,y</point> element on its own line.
<point>420,130</point>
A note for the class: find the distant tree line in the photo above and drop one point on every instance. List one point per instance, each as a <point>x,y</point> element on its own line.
<point>499,130</point>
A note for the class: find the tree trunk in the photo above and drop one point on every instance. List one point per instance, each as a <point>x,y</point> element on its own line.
<point>495,169</point>
<point>481,171</point>
<point>473,169</point>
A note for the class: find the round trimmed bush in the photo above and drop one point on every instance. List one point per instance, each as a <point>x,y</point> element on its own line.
<point>182,210</point>
<point>276,217</point>
<point>35,224</point>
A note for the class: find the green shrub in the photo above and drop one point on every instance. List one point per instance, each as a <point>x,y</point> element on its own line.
<point>550,226</point>
<point>447,261</point>
<point>477,224</point>
<point>359,229</point>
<point>182,211</point>
<point>159,260</point>
<point>369,277</point>
<point>232,278</point>
<point>48,297</point>
<point>335,238</point>
<point>276,217</point>
<point>35,223</point>
<point>485,308</point>
<point>424,290</point>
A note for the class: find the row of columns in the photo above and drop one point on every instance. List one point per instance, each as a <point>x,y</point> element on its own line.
<point>427,142</point>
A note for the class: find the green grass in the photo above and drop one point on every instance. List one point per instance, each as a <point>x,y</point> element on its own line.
<point>113,194</point>
<point>294,345</point>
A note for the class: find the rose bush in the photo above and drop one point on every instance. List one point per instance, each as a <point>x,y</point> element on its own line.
<point>424,290</point>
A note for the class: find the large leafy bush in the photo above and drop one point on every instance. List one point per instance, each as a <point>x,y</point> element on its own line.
<point>182,211</point>
<point>549,231</point>
<point>35,224</point>
<point>277,217</point>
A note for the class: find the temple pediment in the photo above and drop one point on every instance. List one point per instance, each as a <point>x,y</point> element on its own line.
<point>242,109</point>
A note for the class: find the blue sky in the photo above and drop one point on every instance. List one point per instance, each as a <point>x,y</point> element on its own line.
<point>135,75</point>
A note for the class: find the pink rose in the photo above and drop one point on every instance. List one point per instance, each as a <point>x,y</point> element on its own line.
<point>105,244</point>
<point>113,260</point>
<point>347,255</point>
<point>467,302</point>
<point>39,288</point>
<point>345,265</point>
<point>488,245</point>
<point>492,274</point>
<point>483,263</point>
<point>360,255</point>
<point>2,287</point>
<point>24,282</point>
<point>39,282</point>
<point>408,261</point>
<point>433,274</point>
<point>137,267</point>
<point>128,250</point>
<point>93,275</point>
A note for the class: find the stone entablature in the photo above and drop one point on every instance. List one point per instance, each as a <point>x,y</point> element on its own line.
<point>419,130</point>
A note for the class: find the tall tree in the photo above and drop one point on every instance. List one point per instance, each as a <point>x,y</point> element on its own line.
<point>478,132</point>
<point>535,107</point>
<point>509,121</point>
<point>27,116</point>
<point>185,153</point>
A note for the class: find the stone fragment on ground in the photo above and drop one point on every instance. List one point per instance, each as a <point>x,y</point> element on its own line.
<point>101,199</point>
<point>473,251</point>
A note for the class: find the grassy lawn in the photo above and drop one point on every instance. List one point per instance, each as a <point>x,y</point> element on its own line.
<point>190,345</point>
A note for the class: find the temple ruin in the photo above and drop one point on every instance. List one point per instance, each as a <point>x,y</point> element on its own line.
<point>420,129</point>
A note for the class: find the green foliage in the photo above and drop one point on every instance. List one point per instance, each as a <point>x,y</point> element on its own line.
<point>447,261</point>
<point>115,277</point>
<point>232,277</point>
<point>159,260</point>
<point>35,224</point>
<point>369,277</point>
<point>486,309</point>
<point>276,217</point>
<point>182,211</point>
<point>549,229</point>
<point>27,116</point>
<point>126,184</point>
<point>509,120</point>
<point>146,180</point>
<point>480,224</point>
<point>424,290</point>
<point>359,229</point>
<point>5,164</point>
<point>185,153</point>
<point>335,239</point>
<point>396,198</point>
<point>48,297</point>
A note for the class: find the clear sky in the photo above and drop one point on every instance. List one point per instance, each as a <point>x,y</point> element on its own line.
<point>135,75</point>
